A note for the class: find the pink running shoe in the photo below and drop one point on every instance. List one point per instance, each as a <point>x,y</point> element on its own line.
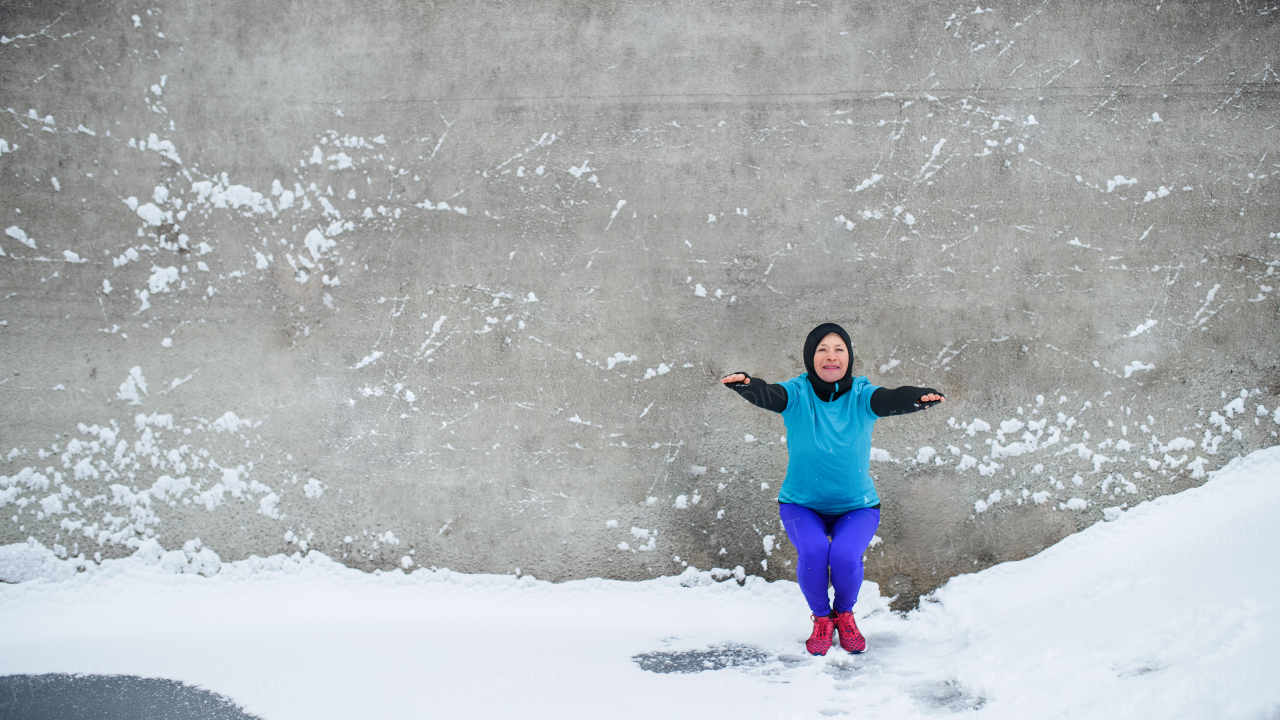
<point>820,641</point>
<point>850,639</point>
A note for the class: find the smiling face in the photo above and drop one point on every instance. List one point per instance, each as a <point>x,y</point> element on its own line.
<point>831,359</point>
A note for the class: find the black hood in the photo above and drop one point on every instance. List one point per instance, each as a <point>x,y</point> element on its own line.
<point>827,391</point>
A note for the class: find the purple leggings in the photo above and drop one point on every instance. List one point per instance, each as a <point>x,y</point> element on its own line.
<point>830,548</point>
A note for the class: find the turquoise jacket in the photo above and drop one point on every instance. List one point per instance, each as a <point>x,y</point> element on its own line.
<point>829,448</point>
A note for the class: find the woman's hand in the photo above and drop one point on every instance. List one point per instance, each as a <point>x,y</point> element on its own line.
<point>933,397</point>
<point>736,378</point>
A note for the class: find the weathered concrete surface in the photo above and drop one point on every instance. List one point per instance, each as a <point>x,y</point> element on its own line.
<point>512,247</point>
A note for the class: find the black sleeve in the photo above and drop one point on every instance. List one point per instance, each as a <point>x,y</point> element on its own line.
<point>903,400</point>
<point>761,394</point>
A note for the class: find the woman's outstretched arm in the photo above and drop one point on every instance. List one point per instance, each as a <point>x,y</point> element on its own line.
<point>757,392</point>
<point>903,400</point>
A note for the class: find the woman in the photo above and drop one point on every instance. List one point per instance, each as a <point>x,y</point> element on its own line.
<point>828,502</point>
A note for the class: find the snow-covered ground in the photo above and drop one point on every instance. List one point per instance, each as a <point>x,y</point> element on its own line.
<point>1168,610</point>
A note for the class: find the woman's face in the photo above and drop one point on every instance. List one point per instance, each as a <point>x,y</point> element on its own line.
<point>831,358</point>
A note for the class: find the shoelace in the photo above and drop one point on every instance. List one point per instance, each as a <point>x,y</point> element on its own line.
<point>820,641</point>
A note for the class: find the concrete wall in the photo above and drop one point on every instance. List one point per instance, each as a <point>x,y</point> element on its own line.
<point>452,283</point>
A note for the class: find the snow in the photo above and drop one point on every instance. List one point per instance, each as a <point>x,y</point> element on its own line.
<point>663,369</point>
<point>230,422</point>
<point>317,243</point>
<point>1135,366</point>
<point>876,177</point>
<point>164,147</point>
<point>18,234</point>
<point>881,455</point>
<point>1143,328</point>
<point>221,194</point>
<point>1120,181</point>
<point>1163,610</point>
<point>370,358</point>
<point>153,215</point>
<point>617,357</point>
<point>134,383</point>
<point>578,172</point>
<point>161,278</point>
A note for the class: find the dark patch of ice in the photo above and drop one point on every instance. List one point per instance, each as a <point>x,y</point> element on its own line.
<point>716,657</point>
<point>110,697</point>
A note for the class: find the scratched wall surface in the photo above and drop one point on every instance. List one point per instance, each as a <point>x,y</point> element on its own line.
<point>451,284</point>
